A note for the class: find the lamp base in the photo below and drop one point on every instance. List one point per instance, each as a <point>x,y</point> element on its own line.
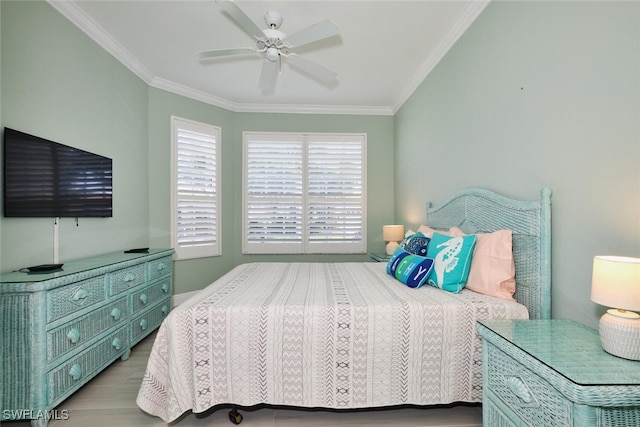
<point>391,247</point>
<point>620,333</point>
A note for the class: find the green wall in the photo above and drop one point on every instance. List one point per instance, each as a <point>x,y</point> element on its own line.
<point>537,94</point>
<point>59,84</point>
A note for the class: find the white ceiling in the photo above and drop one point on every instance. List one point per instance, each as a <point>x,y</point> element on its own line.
<point>385,49</point>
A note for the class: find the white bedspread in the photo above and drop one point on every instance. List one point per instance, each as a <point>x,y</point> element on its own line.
<point>332,335</point>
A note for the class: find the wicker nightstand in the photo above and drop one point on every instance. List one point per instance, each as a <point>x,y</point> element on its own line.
<point>379,256</point>
<point>554,373</point>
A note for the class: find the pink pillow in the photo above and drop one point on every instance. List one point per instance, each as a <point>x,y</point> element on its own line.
<point>492,267</point>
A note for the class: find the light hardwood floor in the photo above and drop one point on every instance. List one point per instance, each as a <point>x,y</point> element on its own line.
<point>110,400</point>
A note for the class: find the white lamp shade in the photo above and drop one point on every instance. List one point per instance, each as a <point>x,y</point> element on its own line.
<point>392,233</point>
<point>616,282</point>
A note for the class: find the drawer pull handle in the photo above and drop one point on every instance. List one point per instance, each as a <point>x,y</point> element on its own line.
<point>80,294</point>
<point>143,324</point>
<point>165,309</point>
<point>117,343</point>
<point>75,372</point>
<point>143,298</point>
<point>73,335</point>
<point>165,288</point>
<point>161,266</point>
<point>116,313</point>
<point>129,277</point>
<point>520,389</point>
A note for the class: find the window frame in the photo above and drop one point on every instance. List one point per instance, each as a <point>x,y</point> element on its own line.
<point>209,249</point>
<point>307,245</point>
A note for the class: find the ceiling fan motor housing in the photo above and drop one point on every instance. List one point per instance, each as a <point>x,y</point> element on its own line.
<point>273,19</point>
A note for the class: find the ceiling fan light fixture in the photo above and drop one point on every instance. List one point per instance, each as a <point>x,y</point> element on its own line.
<point>272,54</point>
<point>274,45</point>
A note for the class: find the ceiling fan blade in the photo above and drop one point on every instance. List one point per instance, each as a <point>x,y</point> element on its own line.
<point>319,31</point>
<point>206,54</point>
<point>269,75</point>
<point>318,71</point>
<point>234,11</point>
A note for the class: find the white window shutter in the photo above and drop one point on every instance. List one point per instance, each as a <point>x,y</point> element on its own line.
<point>273,195</point>
<point>304,193</point>
<point>195,219</point>
<point>335,213</point>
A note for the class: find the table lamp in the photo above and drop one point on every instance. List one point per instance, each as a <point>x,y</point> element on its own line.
<point>616,284</point>
<point>392,234</point>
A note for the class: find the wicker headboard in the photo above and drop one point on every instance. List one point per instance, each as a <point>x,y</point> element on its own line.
<point>476,210</point>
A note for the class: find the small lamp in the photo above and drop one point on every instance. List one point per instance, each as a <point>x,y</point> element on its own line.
<point>616,283</point>
<point>392,234</point>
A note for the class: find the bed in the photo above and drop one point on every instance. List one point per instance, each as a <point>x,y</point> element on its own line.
<point>345,335</point>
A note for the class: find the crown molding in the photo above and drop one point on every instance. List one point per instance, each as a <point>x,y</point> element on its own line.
<point>189,92</point>
<point>315,109</point>
<point>207,98</point>
<point>84,22</point>
<point>468,16</point>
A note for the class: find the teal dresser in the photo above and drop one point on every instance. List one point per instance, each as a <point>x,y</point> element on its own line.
<point>60,329</point>
<point>554,373</point>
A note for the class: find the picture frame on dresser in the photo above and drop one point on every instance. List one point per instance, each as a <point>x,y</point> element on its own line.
<point>61,328</point>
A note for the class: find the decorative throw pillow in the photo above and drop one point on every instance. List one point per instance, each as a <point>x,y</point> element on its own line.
<point>493,269</point>
<point>410,269</point>
<point>452,261</point>
<point>416,244</point>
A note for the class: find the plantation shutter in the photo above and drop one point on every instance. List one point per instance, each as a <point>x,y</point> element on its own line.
<point>335,203</point>
<point>273,194</point>
<point>304,193</point>
<point>196,196</point>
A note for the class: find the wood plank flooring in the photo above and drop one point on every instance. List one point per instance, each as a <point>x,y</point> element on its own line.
<point>110,400</point>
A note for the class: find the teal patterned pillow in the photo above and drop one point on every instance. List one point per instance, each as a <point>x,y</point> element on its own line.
<point>410,269</point>
<point>452,260</point>
<point>416,244</point>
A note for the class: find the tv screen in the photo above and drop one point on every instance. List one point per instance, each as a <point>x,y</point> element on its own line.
<point>43,178</point>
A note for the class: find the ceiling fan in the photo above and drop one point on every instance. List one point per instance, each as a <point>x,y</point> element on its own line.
<point>275,45</point>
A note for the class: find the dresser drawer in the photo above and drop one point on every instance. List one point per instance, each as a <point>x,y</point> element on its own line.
<point>71,298</point>
<point>525,393</point>
<point>149,320</point>
<point>160,267</point>
<point>79,369</point>
<point>127,278</point>
<point>74,334</point>
<point>150,295</point>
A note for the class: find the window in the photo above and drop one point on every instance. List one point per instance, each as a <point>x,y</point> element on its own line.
<point>304,193</point>
<point>195,222</point>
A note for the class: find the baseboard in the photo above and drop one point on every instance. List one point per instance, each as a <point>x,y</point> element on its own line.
<point>180,298</point>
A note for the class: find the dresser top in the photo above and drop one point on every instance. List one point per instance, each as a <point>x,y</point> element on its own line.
<point>567,347</point>
<point>78,267</point>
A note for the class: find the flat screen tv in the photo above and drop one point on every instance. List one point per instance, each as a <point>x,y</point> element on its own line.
<point>43,178</point>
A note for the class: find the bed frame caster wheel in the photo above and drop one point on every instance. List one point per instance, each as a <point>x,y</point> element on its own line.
<point>235,417</point>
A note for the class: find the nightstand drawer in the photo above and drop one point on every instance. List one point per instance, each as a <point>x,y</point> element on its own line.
<point>150,295</point>
<point>160,267</point>
<point>71,298</point>
<point>525,393</point>
<point>79,369</point>
<point>127,278</point>
<point>74,334</point>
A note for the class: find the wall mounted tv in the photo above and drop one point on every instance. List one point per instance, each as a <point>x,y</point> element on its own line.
<point>43,178</point>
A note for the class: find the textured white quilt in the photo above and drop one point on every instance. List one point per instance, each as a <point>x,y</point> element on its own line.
<point>332,335</point>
